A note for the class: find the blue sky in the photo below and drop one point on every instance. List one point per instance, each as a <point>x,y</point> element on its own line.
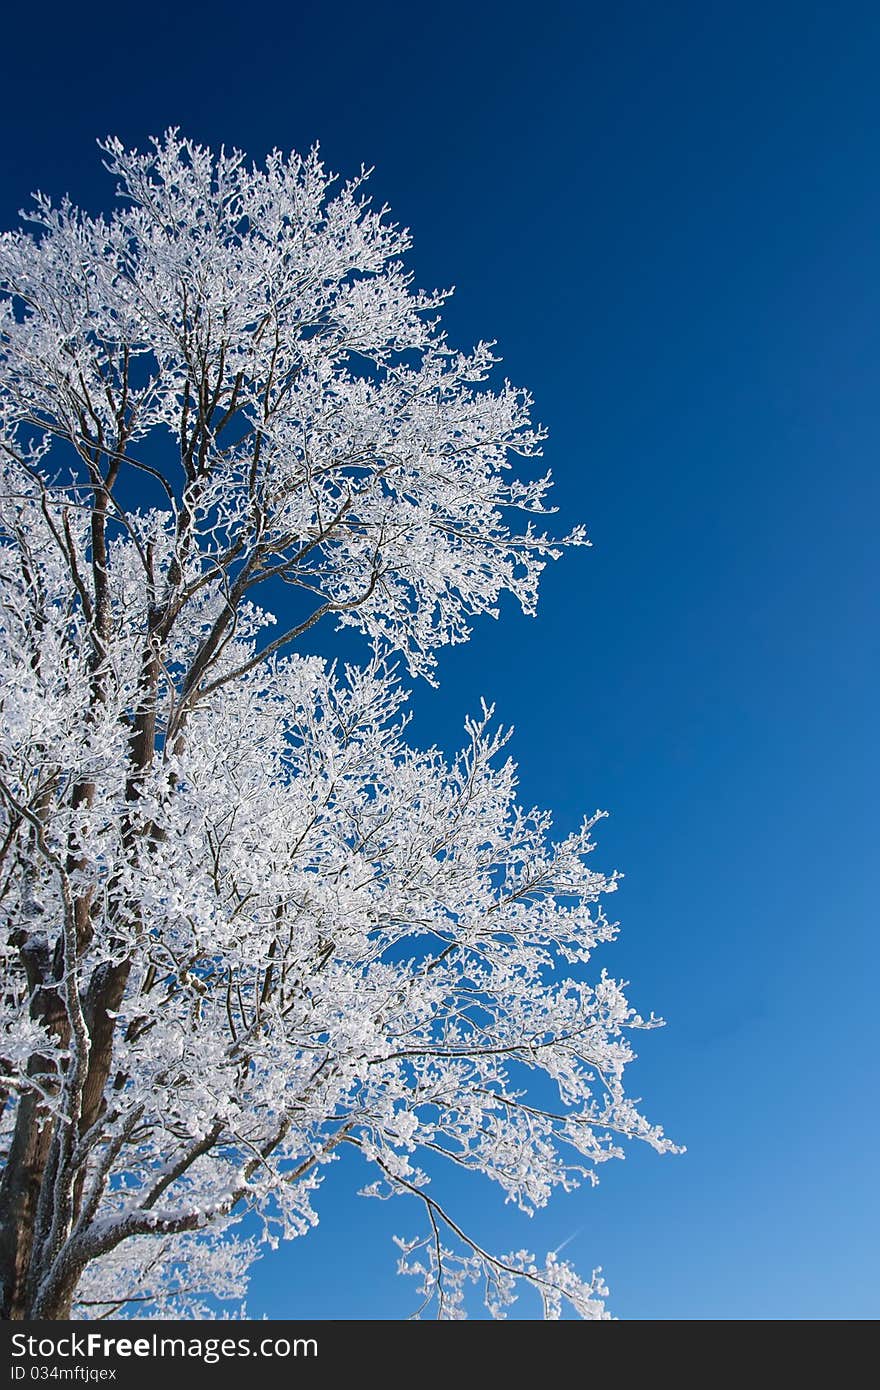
<point>668,216</point>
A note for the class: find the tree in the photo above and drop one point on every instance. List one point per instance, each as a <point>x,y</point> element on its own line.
<point>247,922</point>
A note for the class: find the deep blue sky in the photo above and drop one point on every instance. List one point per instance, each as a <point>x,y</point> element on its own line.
<point>669,217</point>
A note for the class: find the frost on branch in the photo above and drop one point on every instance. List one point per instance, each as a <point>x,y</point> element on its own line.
<point>444,1275</point>
<point>260,325</point>
<point>248,922</point>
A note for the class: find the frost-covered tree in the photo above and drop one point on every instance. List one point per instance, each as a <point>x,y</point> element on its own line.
<point>246,923</point>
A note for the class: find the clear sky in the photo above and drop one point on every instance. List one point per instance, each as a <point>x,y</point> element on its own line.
<point>669,217</point>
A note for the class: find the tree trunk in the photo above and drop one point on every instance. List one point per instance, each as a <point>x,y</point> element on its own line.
<point>19,1194</point>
